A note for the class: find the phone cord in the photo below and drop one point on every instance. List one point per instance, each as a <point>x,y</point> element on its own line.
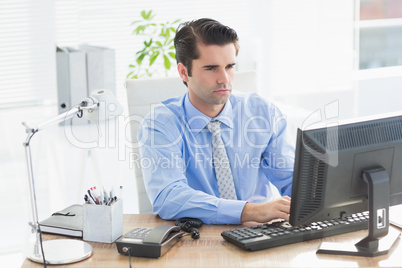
<point>190,225</point>
<point>129,256</point>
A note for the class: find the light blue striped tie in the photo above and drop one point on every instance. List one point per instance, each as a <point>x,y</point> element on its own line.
<point>221,162</point>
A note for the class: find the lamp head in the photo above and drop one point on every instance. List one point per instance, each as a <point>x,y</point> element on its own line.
<point>107,105</point>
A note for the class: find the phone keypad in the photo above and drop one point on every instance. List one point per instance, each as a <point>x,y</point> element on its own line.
<point>138,233</point>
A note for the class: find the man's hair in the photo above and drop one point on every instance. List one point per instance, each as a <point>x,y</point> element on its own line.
<point>204,31</point>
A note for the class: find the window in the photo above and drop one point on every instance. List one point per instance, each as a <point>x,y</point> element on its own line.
<point>380,33</point>
<point>27,52</point>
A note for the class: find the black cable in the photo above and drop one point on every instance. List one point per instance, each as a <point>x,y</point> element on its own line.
<point>79,115</point>
<point>129,256</point>
<point>190,225</point>
<point>41,246</point>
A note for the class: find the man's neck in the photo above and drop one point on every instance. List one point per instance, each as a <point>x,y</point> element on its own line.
<point>210,110</point>
<point>214,111</point>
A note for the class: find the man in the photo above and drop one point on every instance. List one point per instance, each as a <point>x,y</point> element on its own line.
<point>184,140</point>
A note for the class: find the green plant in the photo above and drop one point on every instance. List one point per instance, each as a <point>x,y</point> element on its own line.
<point>158,49</point>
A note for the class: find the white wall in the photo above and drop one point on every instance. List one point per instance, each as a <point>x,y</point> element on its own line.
<point>379,91</point>
<point>308,45</point>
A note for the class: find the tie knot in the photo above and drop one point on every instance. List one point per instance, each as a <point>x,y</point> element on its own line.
<point>214,126</point>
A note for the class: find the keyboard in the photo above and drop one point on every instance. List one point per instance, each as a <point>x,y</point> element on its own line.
<point>282,233</point>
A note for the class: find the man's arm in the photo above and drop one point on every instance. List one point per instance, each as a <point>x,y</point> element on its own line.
<point>279,155</point>
<point>164,171</point>
<point>278,165</point>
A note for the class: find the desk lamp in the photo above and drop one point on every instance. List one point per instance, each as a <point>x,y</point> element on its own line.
<point>101,105</point>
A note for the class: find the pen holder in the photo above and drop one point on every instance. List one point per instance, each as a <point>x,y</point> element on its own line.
<point>103,223</point>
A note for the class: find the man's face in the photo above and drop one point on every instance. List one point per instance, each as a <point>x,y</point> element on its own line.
<point>210,85</point>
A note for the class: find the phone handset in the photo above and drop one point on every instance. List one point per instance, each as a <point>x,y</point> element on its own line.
<point>159,234</point>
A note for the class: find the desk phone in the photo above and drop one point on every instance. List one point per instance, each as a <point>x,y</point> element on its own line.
<point>147,242</point>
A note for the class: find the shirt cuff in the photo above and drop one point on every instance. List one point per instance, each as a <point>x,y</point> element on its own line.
<point>229,211</point>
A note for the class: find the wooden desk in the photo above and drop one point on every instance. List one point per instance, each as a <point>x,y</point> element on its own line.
<point>212,251</point>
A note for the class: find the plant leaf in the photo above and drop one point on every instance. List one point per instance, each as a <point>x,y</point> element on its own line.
<point>149,14</point>
<point>135,22</point>
<point>166,62</point>
<point>162,32</point>
<point>141,51</point>
<point>139,29</point>
<point>153,58</point>
<point>140,58</point>
<point>144,14</point>
<point>148,44</point>
<point>172,54</point>
<point>158,43</point>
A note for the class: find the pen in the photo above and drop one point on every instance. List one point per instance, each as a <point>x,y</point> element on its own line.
<point>96,195</point>
<point>88,200</point>
<point>90,195</point>
<point>105,196</point>
<point>111,193</point>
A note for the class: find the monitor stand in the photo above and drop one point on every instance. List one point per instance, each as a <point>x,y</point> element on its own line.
<point>379,241</point>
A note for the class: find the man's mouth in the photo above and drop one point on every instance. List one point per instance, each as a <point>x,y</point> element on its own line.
<point>222,91</point>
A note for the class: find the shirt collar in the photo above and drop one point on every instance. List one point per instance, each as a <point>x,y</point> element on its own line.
<point>197,120</point>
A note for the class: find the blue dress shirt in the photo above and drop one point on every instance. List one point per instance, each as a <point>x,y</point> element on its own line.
<point>176,157</point>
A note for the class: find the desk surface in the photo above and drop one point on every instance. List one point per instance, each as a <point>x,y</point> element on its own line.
<point>212,251</point>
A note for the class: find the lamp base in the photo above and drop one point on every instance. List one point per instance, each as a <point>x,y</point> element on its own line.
<point>62,251</point>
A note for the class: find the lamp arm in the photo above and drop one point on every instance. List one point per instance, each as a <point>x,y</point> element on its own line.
<point>89,104</point>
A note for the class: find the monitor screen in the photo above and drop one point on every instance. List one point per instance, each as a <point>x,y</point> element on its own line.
<point>329,164</point>
<point>346,169</point>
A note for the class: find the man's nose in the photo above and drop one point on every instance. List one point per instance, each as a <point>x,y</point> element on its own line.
<point>223,77</point>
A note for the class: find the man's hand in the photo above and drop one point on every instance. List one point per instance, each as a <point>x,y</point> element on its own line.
<point>265,212</point>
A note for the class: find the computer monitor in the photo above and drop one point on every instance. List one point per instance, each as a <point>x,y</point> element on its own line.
<point>346,169</point>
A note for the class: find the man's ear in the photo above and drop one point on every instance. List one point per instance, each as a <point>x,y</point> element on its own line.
<point>182,71</point>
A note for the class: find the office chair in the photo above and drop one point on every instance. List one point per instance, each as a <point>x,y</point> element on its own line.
<point>143,94</point>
